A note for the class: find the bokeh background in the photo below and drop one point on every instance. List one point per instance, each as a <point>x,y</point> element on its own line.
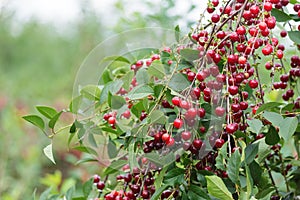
<point>42,44</point>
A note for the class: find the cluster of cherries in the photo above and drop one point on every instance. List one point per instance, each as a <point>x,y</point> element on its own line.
<point>135,185</point>
<point>223,78</point>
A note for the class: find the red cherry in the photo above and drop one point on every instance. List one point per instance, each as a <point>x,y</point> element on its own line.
<point>254,9</point>
<point>242,60</point>
<point>202,129</point>
<point>96,178</point>
<point>215,18</point>
<point>279,54</point>
<point>186,135</point>
<point>165,137</point>
<point>271,22</point>
<point>197,143</point>
<point>176,101</point>
<point>254,109</point>
<point>231,128</point>
<point>191,76</point>
<point>191,113</point>
<point>262,26</point>
<point>220,111</point>
<point>283,33</point>
<point>241,30</point>
<point>170,142</point>
<point>268,6</point>
<point>233,89</point>
<point>215,3</point>
<point>100,185</point>
<point>267,50</point>
<point>201,112</point>
<point>244,105</point>
<point>111,120</point>
<point>201,76</point>
<point>235,107</point>
<point>184,104</point>
<point>253,84</point>
<point>207,91</point>
<point>126,114</point>
<point>219,143</point>
<point>178,123</point>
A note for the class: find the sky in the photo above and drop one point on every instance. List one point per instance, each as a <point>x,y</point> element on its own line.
<point>60,12</point>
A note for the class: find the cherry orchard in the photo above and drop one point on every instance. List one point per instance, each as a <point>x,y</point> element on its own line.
<point>215,115</point>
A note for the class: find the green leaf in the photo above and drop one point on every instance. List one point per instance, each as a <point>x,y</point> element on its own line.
<point>293,1</point>
<point>255,125</point>
<point>70,193</point>
<point>294,36</point>
<point>35,120</point>
<point>86,150</point>
<point>87,188</point>
<point>132,157</point>
<point>249,182</point>
<point>251,152</point>
<point>115,58</point>
<point>112,87</point>
<point>280,16</point>
<point>45,194</point>
<point>189,54</point>
<point>195,192</point>
<point>263,193</point>
<point>115,166</point>
<point>179,82</point>
<point>177,33</point>
<point>256,171</point>
<point>117,102</point>
<point>157,116</point>
<point>158,192</point>
<point>53,121</point>
<point>217,188</point>
<point>46,111</point>
<point>295,17</point>
<point>233,167</point>
<point>85,160</point>
<point>273,117</point>
<point>140,92</point>
<point>175,176</point>
<point>272,136</point>
<point>268,106</point>
<point>75,104</point>
<point>48,152</point>
<point>142,77</point>
<point>263,150</point>
<point>73,128</point>
<point>157,69</point>
<point>127,79</point>
<point>159,179</point>
<point>91,92</point>
<point>288,127</point>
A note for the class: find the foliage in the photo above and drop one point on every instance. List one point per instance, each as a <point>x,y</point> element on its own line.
<point>180,117</point>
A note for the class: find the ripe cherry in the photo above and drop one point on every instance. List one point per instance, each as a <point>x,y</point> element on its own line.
<point>178,123</point>
<point>253,84</point>
<point>186,135</point>
<point>215,18</point>
<point>96,178</point>
<point>170,142</point>
<point>201,112</point>
<point>176,101</point>
<point>165,137</point>
<point>233,89</point>
<point>267,50</point>
<point>100,185</point>
<point>111,120</point>
<point>268,6</point>
<point>126,114</point>
<point>220,111</point>
<point>219,143</point>
<point>197,143</point>
<point>191,113</point>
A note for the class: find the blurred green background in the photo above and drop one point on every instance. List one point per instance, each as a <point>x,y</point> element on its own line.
<point>38,64</point>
